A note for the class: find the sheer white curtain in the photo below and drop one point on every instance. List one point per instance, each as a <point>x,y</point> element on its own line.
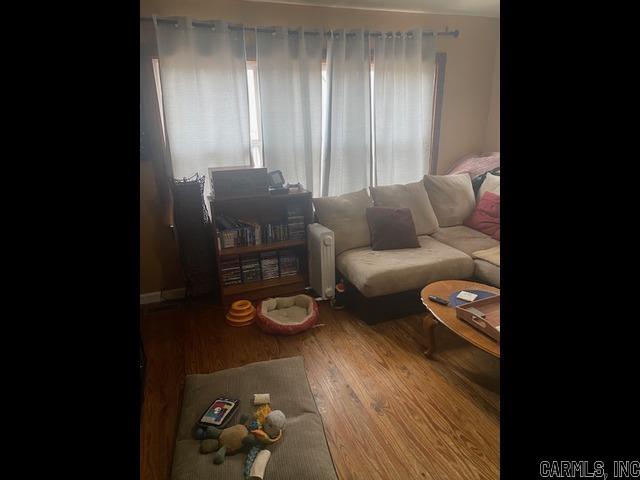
<point>290,76</point>
<point>204,90</point>
<point>404,72</point>
<point>347,143</point>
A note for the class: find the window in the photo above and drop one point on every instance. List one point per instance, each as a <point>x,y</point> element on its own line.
<point>372,123</point>
<point>255,122</point>
<point>255,116</point>
<point>324,116</point>
<point>255,130</point>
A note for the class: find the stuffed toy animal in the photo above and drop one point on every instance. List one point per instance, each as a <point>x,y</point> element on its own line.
<point>253,433</point>
<point>224,442</point>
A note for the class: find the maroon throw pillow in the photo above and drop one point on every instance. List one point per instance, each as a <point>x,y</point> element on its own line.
<point>391,228</point>
<point>486,217</point>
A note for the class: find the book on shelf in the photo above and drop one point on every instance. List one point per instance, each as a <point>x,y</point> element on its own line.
<point>234,232</point>
<point>275,232</point>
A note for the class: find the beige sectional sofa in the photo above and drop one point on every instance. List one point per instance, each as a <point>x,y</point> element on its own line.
<point>390,280</point>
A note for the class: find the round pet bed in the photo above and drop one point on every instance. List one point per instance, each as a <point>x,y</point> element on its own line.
<point>287,315</point>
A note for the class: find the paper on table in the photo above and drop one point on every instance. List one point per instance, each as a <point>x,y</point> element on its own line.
<point>468,296</point>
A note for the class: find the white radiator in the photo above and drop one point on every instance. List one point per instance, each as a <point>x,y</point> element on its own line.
<point>322,260</point>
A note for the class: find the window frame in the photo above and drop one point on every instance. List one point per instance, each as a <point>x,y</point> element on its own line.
<point>436,123</point>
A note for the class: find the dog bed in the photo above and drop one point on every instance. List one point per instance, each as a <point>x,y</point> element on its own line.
<point>302,453</point>
<point>287,315</point>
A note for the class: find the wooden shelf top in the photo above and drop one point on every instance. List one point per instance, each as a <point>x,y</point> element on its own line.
<point>273,282</point>
<point>267,197</point>
<point>263,247</point>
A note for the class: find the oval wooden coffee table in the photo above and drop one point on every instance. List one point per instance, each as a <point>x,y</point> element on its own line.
<point>446,315</point>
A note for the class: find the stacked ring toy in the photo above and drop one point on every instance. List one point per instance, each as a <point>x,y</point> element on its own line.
<point>241,314</point>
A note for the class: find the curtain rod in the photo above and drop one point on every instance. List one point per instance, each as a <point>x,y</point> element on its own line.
<point>446,32</point>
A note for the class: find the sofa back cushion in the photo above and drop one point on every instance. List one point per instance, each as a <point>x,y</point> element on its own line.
<point>412,196</point>
<point>391,228</point>
<point>346,215</point>
<point>491,183</point>
<point>451,197</point>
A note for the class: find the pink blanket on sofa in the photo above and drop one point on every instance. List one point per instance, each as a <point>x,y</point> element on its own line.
<point>476,164</point>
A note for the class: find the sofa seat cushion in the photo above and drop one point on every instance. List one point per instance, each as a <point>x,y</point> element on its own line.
<point>486,272</point>
<point>465,239</point>
<point>376,273</point>
<point>491,255</point>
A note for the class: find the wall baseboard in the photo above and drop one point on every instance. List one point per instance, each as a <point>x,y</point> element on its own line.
<point>157,297</point>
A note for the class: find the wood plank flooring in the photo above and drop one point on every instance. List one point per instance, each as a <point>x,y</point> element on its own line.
<point>388,412</point>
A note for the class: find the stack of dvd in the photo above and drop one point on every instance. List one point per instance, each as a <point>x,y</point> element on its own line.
<point>275,232</point>
<point>288,263</point>
<point>250,268</point>
<point>269,264</point>
<point>229,238</point>
<point>233,232</point>
<point>231,270</point>
<point>295,223</point>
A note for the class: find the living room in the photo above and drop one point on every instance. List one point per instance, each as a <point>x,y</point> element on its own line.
<point>165,326</point>
<point>320,228</point>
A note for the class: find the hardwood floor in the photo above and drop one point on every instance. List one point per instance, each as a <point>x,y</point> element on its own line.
<point>388,412</point>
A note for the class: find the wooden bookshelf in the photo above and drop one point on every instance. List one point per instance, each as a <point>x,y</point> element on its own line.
<point>263,209</point>
<point>265,198</point>
<point>262,284</point>
<point>265,247</point>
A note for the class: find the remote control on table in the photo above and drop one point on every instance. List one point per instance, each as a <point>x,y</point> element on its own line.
<point>439,300</point>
